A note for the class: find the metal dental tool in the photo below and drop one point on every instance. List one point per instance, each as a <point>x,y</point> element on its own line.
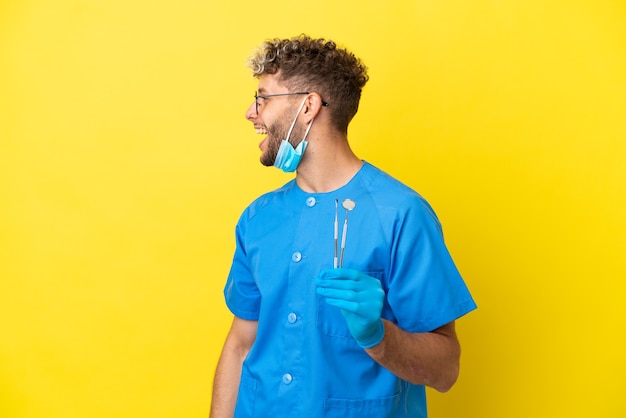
<point>336,231</point>
<point>348,205</point>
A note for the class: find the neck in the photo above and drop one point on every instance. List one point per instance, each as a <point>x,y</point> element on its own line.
<point>328,164</point>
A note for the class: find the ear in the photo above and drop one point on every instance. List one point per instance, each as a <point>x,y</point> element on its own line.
<point>312,106</point>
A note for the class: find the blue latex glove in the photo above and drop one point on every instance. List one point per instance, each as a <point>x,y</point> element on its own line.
<point>360,298</point>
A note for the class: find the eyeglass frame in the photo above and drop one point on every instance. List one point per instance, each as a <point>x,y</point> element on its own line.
<point>265,96</point>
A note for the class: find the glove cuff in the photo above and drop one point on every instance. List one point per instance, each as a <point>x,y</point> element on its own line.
<point>378,332</point>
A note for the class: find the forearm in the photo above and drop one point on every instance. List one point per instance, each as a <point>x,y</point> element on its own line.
<point>225,386</point>
<point>430,359</point>
<point>228,373</point>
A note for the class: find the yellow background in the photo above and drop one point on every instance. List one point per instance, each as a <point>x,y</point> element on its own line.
<point>125,162</point>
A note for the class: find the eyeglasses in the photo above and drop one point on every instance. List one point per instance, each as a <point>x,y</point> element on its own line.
<point>265,96</point>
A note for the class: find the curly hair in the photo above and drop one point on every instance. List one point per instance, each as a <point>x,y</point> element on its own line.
<point>318,65</point>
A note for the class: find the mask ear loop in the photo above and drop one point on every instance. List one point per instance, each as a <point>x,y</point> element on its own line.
<point>308,128</point>
<point>294,122</point>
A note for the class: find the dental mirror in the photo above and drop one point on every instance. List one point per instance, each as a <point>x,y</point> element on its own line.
<point>348,204</point>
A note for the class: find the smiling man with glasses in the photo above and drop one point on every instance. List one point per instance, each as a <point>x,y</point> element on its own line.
<point>325,324</point>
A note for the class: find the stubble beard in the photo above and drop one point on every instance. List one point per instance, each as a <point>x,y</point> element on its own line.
<point>273,144</point>
<point>275,135</point>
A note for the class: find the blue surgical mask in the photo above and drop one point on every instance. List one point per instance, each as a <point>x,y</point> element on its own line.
<point>289,157</point>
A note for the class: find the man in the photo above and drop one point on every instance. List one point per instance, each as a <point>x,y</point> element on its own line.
<point>343,293</point>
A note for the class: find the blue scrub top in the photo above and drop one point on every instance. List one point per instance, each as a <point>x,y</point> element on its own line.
<point>304,362</point>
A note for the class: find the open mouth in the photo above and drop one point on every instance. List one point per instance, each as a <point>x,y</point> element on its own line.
<point>261,130</point>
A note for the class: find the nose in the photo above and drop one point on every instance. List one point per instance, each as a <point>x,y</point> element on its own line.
<point>251,112</point>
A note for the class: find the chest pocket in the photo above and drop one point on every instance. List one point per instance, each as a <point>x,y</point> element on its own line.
<point>362,408</point>
<point>331,322</point>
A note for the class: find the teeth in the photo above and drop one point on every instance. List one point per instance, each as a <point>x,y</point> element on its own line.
<point>261,131</point>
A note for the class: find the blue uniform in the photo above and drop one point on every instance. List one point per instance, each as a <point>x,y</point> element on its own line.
<point>304,362</point>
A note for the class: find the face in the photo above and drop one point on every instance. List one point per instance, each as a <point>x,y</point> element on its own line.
<point>274,118</point>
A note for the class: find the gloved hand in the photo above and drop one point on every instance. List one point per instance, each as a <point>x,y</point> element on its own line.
<point>360,298</point>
